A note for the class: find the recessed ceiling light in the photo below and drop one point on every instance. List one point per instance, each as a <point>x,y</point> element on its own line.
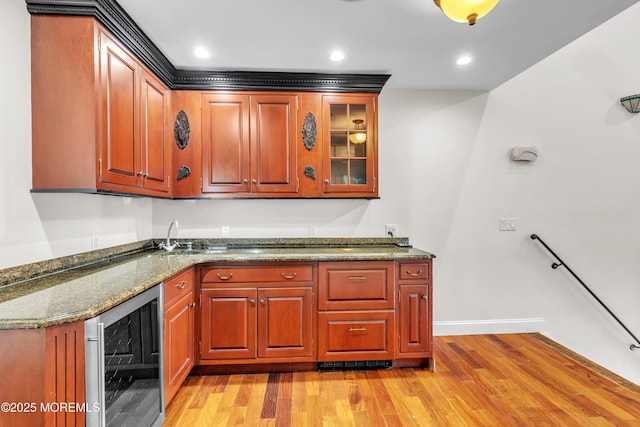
<point>336,56</point>
<point>464,60</point>
<point>201,52</point>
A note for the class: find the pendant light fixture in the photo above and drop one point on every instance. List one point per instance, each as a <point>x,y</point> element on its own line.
<point>360,135</point>
<point>466,10</point>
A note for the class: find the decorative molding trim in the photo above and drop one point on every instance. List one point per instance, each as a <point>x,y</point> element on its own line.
<point>495,326</point>
<point>267,80</point>
<point>110,14</point>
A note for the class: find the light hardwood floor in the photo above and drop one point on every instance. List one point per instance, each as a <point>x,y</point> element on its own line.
<point>481,380</point>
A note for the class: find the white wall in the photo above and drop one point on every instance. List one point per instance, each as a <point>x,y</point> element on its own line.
<point>445,178</point>
<point>35,227</point>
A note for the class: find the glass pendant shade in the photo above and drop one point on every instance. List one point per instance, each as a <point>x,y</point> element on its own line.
<point>358,137</point>
<point>466,10</point>
<point>631,103</point>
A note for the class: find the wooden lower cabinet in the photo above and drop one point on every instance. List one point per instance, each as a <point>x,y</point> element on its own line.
<point>228,325</point>
<point>46,370</point>
<point>414,310</point>
<point>262,323</point>
<point>179,322</point>
<point>413,327</point>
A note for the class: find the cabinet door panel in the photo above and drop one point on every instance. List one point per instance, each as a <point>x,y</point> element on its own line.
<point>273,136</point>
<point>178,344</point>
<point>120,134</point>
<point>225,143</point>
<point>155,107</point>
<point>414,333</point>
<point>350,132</point>
<point>228,323</point>
<point>285,322</point>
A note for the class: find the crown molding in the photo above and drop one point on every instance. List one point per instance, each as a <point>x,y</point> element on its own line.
<point>110,14</point>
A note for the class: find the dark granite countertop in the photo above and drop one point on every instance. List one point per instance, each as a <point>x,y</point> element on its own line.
<point>82,286</point>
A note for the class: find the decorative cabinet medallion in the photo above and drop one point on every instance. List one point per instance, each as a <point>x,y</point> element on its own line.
<point>309,131</point>
<point>182,130</point>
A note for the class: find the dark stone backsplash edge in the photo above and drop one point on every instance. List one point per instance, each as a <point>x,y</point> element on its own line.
<point>14,275</point>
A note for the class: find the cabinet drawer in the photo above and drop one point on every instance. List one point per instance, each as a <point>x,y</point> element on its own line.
<point>251,274</point>
<point>178,286</point>
<point>414,270</point>
<point>362,335</point>
<point>356,286</point>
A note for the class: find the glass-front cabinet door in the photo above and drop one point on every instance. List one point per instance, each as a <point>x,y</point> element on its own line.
<point>350,150</point>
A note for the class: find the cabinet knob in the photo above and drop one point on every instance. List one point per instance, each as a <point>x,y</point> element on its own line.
<point>425,297</point>
<point>245,181</point>
<point>224,277</point>
<point>252,301</point>
<point>262,301</point>
<point>193,304</point>
<point>253,181</point>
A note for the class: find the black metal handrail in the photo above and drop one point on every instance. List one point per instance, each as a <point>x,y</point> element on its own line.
<point>561,263</point>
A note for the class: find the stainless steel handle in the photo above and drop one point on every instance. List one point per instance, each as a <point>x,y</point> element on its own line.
<point>289,277</point>
<point>416,274</point>
<point>357,329</point>
<point>101,372</point>
<point>357,277</point>
<point>224,277</point>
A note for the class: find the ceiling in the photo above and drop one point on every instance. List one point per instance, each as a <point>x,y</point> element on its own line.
<point>410,39</point>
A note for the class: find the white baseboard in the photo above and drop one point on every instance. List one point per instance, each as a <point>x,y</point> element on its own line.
<point>495,326</point>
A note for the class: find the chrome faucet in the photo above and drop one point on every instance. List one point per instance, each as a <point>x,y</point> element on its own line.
<point>167,246</point>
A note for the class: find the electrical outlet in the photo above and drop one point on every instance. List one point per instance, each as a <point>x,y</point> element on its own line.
<point>391,230</point>
<point>225,231</point>
<point>313,231</point>
<point>507,224</point>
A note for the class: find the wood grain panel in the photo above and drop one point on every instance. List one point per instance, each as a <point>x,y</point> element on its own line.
<point>285,319</point>
<point>228,328</point>
<point>273,143</point>
<point>225,143</point>
<point>355,285</point>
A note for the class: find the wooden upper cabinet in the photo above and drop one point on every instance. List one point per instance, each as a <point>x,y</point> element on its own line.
<point>120,134</point>
<point>155,143</point>
<point>248,143</point>
<point>99,117</point>
<point>225,143</point>
<point>349,125</point>
<point>135,107</point>
<point>273,142</point>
